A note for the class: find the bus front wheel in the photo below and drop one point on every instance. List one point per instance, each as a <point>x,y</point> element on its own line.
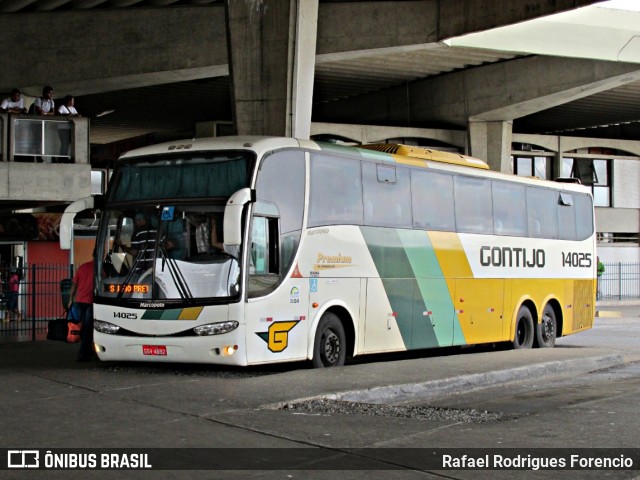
<point>546,331</point>
<point>524,329</point>
<point>330,344</point>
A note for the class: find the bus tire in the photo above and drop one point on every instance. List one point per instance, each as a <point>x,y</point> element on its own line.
<point>547,330</point>
<point>523,337</point>
<point>330,343</point>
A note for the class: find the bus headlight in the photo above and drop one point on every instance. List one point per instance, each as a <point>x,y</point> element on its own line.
<point>216,328</point>
<point>105,327</point>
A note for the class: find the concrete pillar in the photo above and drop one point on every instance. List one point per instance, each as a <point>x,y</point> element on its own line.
<point>491,142</point>
<point>556,171</point>
<point>272,48</point>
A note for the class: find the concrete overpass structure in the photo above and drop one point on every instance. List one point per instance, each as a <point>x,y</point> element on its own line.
<point>289,62</point>
<point>296,67</point>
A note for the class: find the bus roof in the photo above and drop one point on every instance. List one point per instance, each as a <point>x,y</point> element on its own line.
<point>427,154</point>
<point>258,144</point>
<point>401,154</point>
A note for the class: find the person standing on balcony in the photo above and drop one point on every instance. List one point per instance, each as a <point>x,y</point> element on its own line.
<point>68,107</point>
<point>13,103</point>
<point>82,295</point>
<point>45,105</point>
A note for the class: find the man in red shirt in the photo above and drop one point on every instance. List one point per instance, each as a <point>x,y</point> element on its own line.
<point>82,294</point>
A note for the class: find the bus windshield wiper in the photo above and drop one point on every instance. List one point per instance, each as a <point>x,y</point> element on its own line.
<point>176,274</point>
<point>133,268</point>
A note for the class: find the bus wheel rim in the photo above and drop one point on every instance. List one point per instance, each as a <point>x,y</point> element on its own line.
<point>332,347</point>
<point>547,327</point>
<point>522,331</point>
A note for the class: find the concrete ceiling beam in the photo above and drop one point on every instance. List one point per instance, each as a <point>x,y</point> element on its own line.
<point>46,5</point>
<point>10,6</point>
<point>498,92</point>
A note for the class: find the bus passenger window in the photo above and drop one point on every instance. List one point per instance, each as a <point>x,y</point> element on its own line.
<point>473,205</point>
<point>584,216</point>
<point>566,217</point>
<point>541,212</point>
<point>338,201</point>
<point>387,195</point>
<point>432,200</point>
<point>509,209</point>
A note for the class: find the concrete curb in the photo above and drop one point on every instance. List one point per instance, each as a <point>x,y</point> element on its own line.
<point>618,303</point>
<point>465,383</point>
<point>608,314</point>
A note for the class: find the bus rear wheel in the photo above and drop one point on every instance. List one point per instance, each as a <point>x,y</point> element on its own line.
<point>546,331</point>
<point>524,329</point>
<point>330,344</point>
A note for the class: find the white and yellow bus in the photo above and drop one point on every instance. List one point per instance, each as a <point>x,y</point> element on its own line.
<point>254,250</point>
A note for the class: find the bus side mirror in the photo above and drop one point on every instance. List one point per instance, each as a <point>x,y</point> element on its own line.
<point>232,226</point>
<point>66,222</point>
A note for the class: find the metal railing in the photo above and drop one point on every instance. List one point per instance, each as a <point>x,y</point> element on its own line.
<point>41,297</point>
<point>32,138</point>
<point>620,281</point>
<point>47,140</point>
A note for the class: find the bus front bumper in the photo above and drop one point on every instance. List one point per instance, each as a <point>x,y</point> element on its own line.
<point>226,349</point>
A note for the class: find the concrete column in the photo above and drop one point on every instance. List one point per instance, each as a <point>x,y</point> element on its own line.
<point>271,47</point>
<point>556,171</point>
<point>491,142</point>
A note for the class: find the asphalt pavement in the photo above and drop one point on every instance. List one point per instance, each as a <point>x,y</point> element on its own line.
<point>49,401</point>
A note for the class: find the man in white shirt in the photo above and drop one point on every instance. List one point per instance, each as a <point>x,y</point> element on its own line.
<point>44,105</point>
<point>68,107</point>
<point>14,103</point>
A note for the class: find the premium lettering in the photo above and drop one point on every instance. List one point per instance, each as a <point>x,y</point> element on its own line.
<point>321,258</point>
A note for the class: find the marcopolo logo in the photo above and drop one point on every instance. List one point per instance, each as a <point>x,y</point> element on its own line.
<point>23,459</point>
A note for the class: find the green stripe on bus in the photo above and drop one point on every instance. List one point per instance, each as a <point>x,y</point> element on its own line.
<point>439,309</point>
<point>401,286</point>
<point>170,314</point>
<point>352,152</point>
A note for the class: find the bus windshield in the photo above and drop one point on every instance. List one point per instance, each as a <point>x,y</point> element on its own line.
<point>161,236</point>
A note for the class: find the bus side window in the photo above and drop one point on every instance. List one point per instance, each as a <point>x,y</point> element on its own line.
<point>509,209</point>
<point>387,195</point>
<point>432,200</point>
<point>584,216</point>
<point>263,256</point>
<point>541,212</point>
<point>338,201</point>
<point>473,205</point>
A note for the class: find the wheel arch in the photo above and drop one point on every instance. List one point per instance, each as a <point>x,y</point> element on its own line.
<point>346,318</point>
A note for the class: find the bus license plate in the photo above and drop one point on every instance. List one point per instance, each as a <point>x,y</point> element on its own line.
<point>160,350</point>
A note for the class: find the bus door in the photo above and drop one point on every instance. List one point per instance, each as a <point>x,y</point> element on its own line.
<point>276,311</point>
<point>479,306</point>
